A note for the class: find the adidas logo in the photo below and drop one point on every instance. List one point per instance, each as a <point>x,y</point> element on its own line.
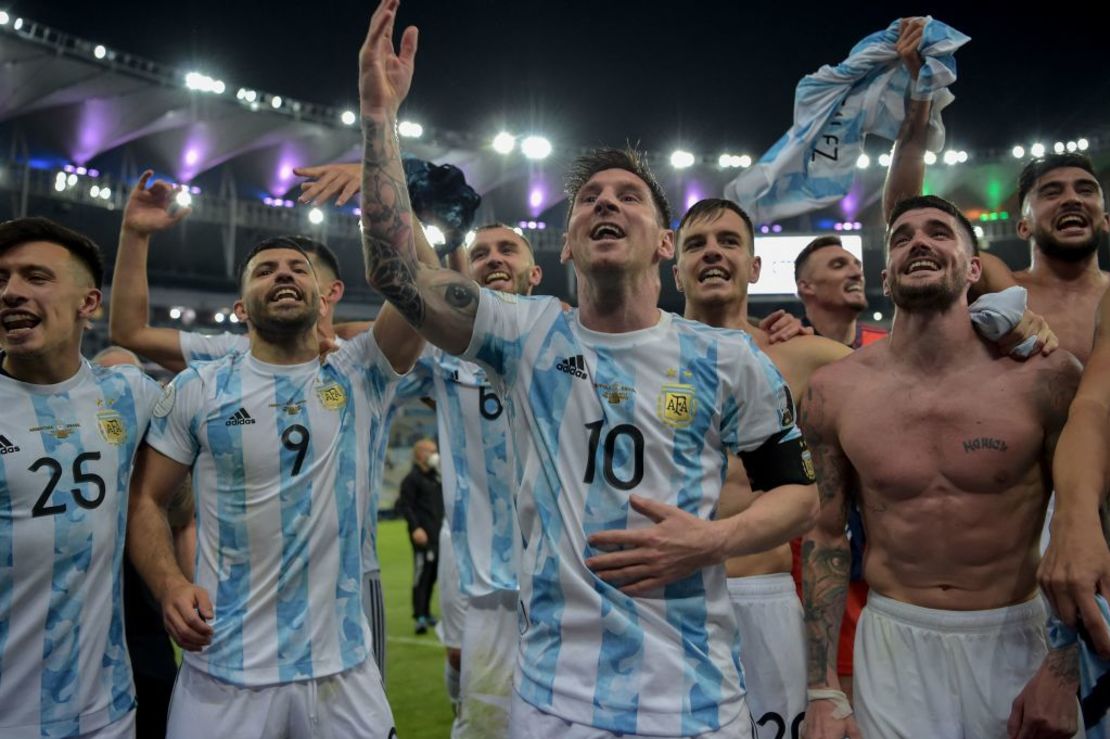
<point>6,447</point>
<point>575,365</point>
<point>239,418</point>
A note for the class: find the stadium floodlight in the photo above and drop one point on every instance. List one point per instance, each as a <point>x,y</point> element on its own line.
<point>682,159</point>
<point>219,317</point>
<point>961,156</point>
<point>1082,144</point>
<point>1058,147</point>
<point>203,83</point>
<point>275,102</point>
<point>183,198</point>
<point>348,118</point>
<point>469,239</point>
<point>71,180</point>
<point>979,232</point>
<point>1071,146</point>
<point>504,142</point>
<point>884,160</point>
<point>1018,152</point>
<point>877,316</point>
<point>105,193</point>
<point>60,185</point>
<point>410,130</point>
<point>930,158</point>
<point>724,161</point>
<point>434,234</point>
<point>100,51</point>
<point>951,157</point>
<point>535,147</point>
<point>4,18</point>
<point>315,216</point>
<point>175,313</point>
<point>863,162</point>
<point>745,161</point>
<point>233,318</point>
<point>94,191</point>
<point>18,24</point>
<point>1037,150</point>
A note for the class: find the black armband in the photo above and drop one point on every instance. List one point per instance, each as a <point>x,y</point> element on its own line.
<point>779,461</point>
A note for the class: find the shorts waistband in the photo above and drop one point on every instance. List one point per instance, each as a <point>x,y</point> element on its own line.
<point>1032,612</point>
<point>779,583</point>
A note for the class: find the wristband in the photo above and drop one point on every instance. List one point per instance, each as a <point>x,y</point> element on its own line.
<point>842,708</point>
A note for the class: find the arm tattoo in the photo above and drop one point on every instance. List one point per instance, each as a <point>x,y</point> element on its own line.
<point>462,295</point>
<point>824,592</point>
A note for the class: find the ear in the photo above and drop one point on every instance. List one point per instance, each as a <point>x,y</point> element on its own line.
<point>335,292</point>
<point>666,245</point>
<point>756,270</point>
<point>564,254</point>
<point>535,274</point>
<point>974,270</point>
<point>240,311</point>
<point>90,303</point>
<point>677,282</point>
<point>804,287</point>
<point>1024,228</point>
<point>886,284</point>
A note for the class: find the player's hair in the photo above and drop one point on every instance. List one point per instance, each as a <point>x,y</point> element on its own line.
<point>712,208</point>
<point>19,231</point>
<point>109,351</point>
<point>277,242</point>
<point>499,224</point>
<point>630,160</point>
<point>920,202</point>
<point>323,254</point>
<point>803,256</point>
<point>1038,168</point>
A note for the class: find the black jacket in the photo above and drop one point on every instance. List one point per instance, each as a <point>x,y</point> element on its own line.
<point>421,502</point>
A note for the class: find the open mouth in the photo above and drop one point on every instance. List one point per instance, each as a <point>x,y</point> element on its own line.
<point>17,323</point>
<point>713,273</point>
<point>1071,221</point>
<point>922,265</point>
<point>285,294</point>
<point>603,231</point>
<point>498,276</point>
<point>853,287</point>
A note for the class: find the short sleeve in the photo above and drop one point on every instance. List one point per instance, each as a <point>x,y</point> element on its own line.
<point>760,406</point>
<point>503,323</point>
<point>197,347</point>
<point>176,416</point>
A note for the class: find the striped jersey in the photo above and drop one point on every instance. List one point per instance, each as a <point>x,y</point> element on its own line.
<point>197,347</point>
<point>596,418</point>
<point>278,454</point>
<point>66,453</point>
<point>476,464</point>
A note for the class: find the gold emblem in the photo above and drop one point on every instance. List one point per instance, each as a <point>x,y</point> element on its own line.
<point>672,373</point>
<point>292,408</point>
<point>615,393</point>
<point>786,410</point>
<point>332,396</point>
<point>676,405</point>
<point>111,427</point>
<point>59,431</point>
<point>807,465</point>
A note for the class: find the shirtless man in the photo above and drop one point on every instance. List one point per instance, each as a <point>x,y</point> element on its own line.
<point>716,263</point>
<point>953,628</point>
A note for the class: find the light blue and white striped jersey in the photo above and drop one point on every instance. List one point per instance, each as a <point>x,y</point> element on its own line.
<point>279,467</point>
<point>197,347</point>
<point>478,471</point>
<point>598,417</point>
<point>66,453</point>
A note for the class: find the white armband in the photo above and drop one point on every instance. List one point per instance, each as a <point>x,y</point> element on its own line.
<point>843,709</point>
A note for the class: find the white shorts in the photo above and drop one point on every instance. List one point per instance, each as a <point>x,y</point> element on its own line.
<point>490,642</point>
<point>528,722</point>
<point>347,704</point>
<point>123,728</point>
<point>772,651</point>
<point>922,672</point>
<point>452,603</point>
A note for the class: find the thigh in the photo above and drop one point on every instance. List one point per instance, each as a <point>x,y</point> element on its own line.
<point>490,641</point>
<point>353,704</point>
<point>203,707</point>
<point>772,651</point>
<point>122,729</point>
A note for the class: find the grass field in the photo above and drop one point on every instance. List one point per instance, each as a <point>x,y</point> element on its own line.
<point>414,664</point>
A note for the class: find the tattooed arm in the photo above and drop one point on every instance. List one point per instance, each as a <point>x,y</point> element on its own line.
<point>826,559</point>
<point>439,303</point>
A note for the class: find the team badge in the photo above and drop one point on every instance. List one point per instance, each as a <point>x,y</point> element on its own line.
<point>807,465</point>
<point>786,411</point>
<point>165,404</point>
<point>111,427</point>
<point>59,431</point>
<point>331,396</point>
<point>614,392</point>
<point>676,405</point>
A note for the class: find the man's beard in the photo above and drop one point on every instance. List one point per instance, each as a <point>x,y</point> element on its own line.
<point>934,297</point>
<point>275,328</point>
<point>1051,247</point>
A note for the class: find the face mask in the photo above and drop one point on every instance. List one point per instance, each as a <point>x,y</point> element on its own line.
<point>433,460</point>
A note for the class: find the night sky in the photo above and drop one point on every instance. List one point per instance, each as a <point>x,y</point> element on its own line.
<point>708,76</point>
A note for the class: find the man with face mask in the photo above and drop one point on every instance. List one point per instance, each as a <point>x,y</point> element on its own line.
<point>421,503</point>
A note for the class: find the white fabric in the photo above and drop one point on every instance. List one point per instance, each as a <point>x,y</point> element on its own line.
<point>341,706</point>
<point>835,109</point>
<point>488,657</point>
<point>997,314</point>
<point>452,603</point>
<point>772,651</point>
<point>922,672</point>
<point>528,722</point>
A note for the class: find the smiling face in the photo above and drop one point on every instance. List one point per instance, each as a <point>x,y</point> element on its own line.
<point>833,278</point>
<point>280,294</point>
<point>614,226</point>
<point>501,260</point>
<point>46,298</point>
<point>715,259</point>
<point>929,263</point>
<point>1065,214</point>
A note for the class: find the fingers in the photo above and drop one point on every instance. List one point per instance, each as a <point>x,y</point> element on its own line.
<point>408,44</point>
<point>615,561</point>
<point>204,605</point>
<point>1013,724</point>
<point>185,624</point>
<point>652,509</point>
<point>315,191</point>
<point>310,172</point>
<point>1095,624</point>
<point>645,587</point>
<point>377,24</point>
<point>1051,344</point>
<point>853,730</point>
<point>143,179</point>
<point>349,192</point>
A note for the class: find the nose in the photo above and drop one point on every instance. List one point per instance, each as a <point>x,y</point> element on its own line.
<point>12,291</point>
<point>711,252</point>
<point>606,203</point>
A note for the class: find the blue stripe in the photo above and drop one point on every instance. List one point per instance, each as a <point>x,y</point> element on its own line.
<point>59,685</point>
<point>294,641</point>
<point>500,485</point>
<point>460,496</point>
<point>233,567</point>
<point>621,655</point>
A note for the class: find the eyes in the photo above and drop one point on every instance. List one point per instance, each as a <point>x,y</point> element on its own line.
<point>697,242</point>
<point>629,196</point>
<point>936,233</point>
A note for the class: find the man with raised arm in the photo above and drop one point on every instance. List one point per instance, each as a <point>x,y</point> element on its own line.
<point>953,629</point>
<point>716,262</point>
<point>623,416</point>
<point>68,438</point>
<point>276,637</point>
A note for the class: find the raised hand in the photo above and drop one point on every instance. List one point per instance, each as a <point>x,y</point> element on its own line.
<point>152,209</point>
<point>384,76</point>
<point>909,40</point>
<point>325,181</point>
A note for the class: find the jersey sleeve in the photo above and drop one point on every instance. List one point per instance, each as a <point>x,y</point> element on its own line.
<point>362,357</point>
<point>501,327</point>
<point>759,424</point>
<point>197,347</point>
<point>176,418</point>
<point>419,383</point>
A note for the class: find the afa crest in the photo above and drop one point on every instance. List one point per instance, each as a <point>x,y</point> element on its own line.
<point>677,405</point>
<point>112,428</point>
<point>332,396</point>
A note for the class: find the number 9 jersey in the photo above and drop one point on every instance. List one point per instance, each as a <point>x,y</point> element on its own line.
<point>66,454</point>
<point>596,418</point>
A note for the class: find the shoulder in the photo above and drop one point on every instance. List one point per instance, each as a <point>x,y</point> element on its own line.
<point>808,351</point>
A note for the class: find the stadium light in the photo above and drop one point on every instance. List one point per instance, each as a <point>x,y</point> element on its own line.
<point>203,83</point>
<point>100,51</point>
<point>724,161</point>
<point>71,180</point>
<point>535,147</point>
<point>348,118</point>
<point>877,316</point>
<point>469,239</point>
<point>183,198</point>
<point>94,191</point>
<point>961,156</point>
<point>951,157</point>
<point>1071,146</point>
<point>175,313</point>
<point>410,130</point>
<point>884,160</point>
<point>504,142</point>
<point>4,18</point>
<point>233,318</point>
<point>682,159</point>
<point>1058,147</point>
<point>434,234</point>
<point>219,317</point>
<point>745,161</point>
<point>930,158</point>
<point>1037,150</point>
<point>1018,152</point>
<point>275,102</point>
<point>315,216</point>
<point>1082,144</point>
<point>18,24</point>
<point>105,193</point>
<point>863,162</point>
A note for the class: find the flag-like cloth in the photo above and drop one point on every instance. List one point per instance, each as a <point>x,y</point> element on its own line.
<point>814,163</point>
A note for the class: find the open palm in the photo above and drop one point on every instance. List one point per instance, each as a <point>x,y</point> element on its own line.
<point>384,75</point>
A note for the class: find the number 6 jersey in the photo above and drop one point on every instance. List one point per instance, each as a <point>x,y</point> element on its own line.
<point>596,418</point>
<point>66,453</point>
<point>279,457</point>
